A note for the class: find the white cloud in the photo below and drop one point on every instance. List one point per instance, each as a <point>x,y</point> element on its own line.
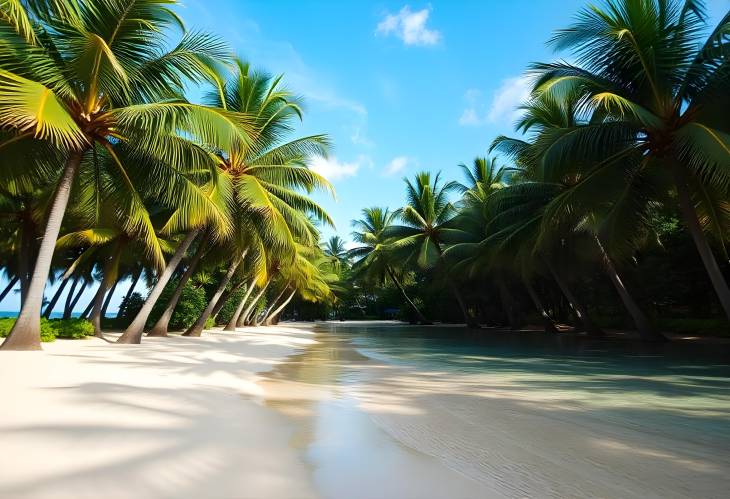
<point>512,93</point>
<point>396,165</point>
<point>360,138</point>
<point>332,169</point>
<point>409,26</point>
<point>503,108</point>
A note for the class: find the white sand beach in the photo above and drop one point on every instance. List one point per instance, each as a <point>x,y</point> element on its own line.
<point>260,414</point>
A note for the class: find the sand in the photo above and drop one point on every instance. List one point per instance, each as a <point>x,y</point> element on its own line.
<point>282,412</point>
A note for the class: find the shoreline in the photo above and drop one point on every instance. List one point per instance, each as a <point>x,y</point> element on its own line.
<point>300,411</point>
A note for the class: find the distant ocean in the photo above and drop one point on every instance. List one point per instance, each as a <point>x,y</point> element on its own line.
<point>54,315</point>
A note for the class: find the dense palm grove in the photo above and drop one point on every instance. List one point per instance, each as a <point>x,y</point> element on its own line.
<point>609,208</point>
<point>109,173</point>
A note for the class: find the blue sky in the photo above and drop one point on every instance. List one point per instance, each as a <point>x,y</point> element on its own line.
<point>399,86</point>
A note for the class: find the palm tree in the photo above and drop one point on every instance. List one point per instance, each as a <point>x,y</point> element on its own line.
<point>658,90</point>
<point>427,227</point>
<point>88,78</point>
<point>372,260</point>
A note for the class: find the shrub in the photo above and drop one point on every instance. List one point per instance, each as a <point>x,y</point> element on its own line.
<point>209,323</point>
<point>129,310</point>
<point>226,312</point>
<point>72,328</point>
<point>47,333</point>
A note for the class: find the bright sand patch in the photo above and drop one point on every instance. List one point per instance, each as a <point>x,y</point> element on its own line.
<point>172,417</point>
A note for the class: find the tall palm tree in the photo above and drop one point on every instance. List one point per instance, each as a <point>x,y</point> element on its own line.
<point>88,78</point>
<point>427,227</point>
<point>372,259</point>
<point>658,89</point>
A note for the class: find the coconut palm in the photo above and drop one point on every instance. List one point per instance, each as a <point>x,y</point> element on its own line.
<point>427,227</point>
<point>86,78</point>
<point>658,89</point>
<point>372,259</point>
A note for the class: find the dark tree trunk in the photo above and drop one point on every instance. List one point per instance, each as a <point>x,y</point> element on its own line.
<point>197,328</point>
<point>87,310</point>
<point>576,306</point>
<point>508,303</point>
<point>163,323</point>
<point>547,320</point>
<point>108,299</point>
<point>56,296</point>
<point>689,215</point>
<point>133,333</point>
<point>68,314</point>
<point>130,291</point>
<point>643,326</point>
<point>9,287</point>
<point>26,332</point>
<point>422,318</point>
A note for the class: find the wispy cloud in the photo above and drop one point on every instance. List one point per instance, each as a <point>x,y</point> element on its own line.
<point>396,165</point>
<point>409,26</point>
<point>333,169</point>
<point>503,108</point>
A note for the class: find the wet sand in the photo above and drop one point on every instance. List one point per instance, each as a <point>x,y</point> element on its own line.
<point>298,411</point>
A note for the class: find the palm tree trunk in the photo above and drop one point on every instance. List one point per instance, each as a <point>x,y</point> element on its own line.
<point>251,306</point>
<point>224,298</point>
<point>703,247</point>
<point>580,312</point>
<point>25,258</point>
<point>7,289</point>
<point>135,279</point>
<point>133,333</point>
<point>56,296</point>
<point>108,299</point>
<point>197,328</point>
<point>162,324</point>
<point>97,303</point>
<point>273,304</point>
<point>549,323</point>
<point>26,332</point>
<point>87,310</point>
<point>272,318</point>
<point>233,322</point>
<point>422,318</point>
<point>508,303</point>
<point>69,311</point>
<point>643,326</point>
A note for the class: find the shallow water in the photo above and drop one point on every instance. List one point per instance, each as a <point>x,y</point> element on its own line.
<point>378,407</point>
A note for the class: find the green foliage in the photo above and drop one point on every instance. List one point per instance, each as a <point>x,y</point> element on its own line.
<point>129,310</point>
<point>47,331</point>
<point>71,328</point>
<point>191,304</point>
<point>226,312</point>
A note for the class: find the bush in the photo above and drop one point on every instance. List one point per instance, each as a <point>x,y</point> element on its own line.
<point>209,323</point>
<point>47,333</point>
<point>129,310</point>
<point>226,312</point>
<point>191,304</point>
<point>72,328</point>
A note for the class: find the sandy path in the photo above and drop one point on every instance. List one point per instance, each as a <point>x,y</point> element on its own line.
<point>176,417</point>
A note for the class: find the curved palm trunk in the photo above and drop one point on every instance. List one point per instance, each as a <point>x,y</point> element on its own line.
<point>96,304</point>
<point>135,279</point>
<point>162,324</point>
<point>272,319</point>
<point>231,326</point>
<point>689,216</point>
<point>643,326</point>
<point>133,333</point>
<point>70,296</point>
<point>578,309</point>
<point>87,310</point>
<point>25,258</point>
<point>548,321</point>
<point>108,299</point>
<point>224,298</point>
<point>69,311</point>
<point>419,314</point>
<point>273,304</point>
<point>197,328</point>
<point>26,333</point>
<point>54,300</point>
<point>244,318</point>
<point>7,289</point>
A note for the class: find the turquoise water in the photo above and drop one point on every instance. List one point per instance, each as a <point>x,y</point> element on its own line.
<point>685,384</point>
